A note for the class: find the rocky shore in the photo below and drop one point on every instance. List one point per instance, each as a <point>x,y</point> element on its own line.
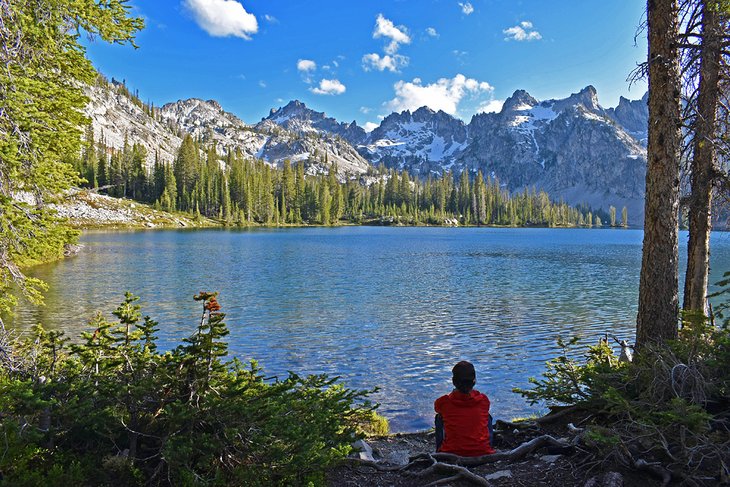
<point>87,209</point>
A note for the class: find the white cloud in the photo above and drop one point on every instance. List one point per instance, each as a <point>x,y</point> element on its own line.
<point>370,126</point>
<point>262,83</point>
<point>223,18</point>
<point>432,32</point>
<point>271,19</point>
<point>366,110</point>
<point>306,65</point>
<point>329,87</point>
<point>392,63</point>
<point>522,32</point>
<point>445,94</point>
<point>490,106</point>
<point>397,35</point>
<point>467,8</point>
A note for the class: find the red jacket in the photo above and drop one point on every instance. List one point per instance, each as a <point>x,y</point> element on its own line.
<point>466,420</point>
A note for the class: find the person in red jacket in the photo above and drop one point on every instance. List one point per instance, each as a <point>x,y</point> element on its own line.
<point>463,422</point>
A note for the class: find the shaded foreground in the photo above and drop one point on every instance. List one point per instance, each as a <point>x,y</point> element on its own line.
<point>549,451</point>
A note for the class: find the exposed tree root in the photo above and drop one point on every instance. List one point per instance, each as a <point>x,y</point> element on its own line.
<point>456,471</point>
<point>512,455</point>
<point>359,462</point>
<point>456,466</point>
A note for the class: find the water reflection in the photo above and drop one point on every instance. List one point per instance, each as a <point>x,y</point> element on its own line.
<point>387,307</point>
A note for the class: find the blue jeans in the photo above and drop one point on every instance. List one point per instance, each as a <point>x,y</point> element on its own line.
<point>439,426</point>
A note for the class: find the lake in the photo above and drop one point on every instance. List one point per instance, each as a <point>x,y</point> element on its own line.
<point>389,307</point>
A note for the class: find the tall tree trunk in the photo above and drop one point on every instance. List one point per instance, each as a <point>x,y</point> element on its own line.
<point>658,287</point>
<point>705,127</point>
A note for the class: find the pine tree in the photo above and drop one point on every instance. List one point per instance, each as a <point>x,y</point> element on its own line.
<point>186,171</point>
<point>658,312</point>
<point>325,201</point>
<point>44,68</point>
<point>704,154</point>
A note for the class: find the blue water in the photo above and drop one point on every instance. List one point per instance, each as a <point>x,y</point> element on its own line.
<point>388,307</point>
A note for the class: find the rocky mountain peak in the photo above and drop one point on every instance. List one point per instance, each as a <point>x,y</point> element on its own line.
<point>295,109</point>
<point>520,100</point>
<point>587,98</point>
<point>299,118</point>
<point>632,115</point>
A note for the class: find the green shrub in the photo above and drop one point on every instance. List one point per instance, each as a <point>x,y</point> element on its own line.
<point>373,424</point>
<point>113,410</point>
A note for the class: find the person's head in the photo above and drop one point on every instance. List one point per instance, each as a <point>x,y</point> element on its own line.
<point>464,376</point>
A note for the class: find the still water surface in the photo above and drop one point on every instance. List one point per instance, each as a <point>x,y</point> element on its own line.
<point>387,307</point>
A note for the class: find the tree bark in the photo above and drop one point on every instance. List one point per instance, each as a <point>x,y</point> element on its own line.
<point>704,153</point>
<point>658,286</point>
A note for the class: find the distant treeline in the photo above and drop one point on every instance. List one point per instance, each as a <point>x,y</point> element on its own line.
<point>243,191</point>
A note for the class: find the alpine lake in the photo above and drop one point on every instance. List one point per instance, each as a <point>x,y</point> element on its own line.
<point>393,308</point>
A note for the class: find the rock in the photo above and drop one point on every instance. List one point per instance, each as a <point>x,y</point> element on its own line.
<point>609,479</point>
<point>150,225</point>
<point>71,249</point>
<point>499,475</point>
<point>398,457</point>
<point>550,458</point>
<point>365,452</point>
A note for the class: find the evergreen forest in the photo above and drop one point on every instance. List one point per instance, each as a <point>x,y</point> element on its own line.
<point>241,191</point>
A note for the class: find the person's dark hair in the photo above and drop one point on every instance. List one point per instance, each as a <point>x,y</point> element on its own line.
<point>464,376</point>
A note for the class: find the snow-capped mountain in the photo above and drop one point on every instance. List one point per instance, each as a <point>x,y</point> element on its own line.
<point>569,147</point>
<point>287,137</point>
<point>572,147</point>
<point>423,141</point>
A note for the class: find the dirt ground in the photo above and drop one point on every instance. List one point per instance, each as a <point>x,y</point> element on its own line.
<point>544,467</point>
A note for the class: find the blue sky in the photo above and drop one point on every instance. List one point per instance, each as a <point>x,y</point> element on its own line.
<point>362,59</point>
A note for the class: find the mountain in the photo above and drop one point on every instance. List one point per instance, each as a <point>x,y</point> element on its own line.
<point>296,117</point>
<point>572,147</point>
<point>423,141</point>
<point>117,116</point>
<point>291,139</point>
